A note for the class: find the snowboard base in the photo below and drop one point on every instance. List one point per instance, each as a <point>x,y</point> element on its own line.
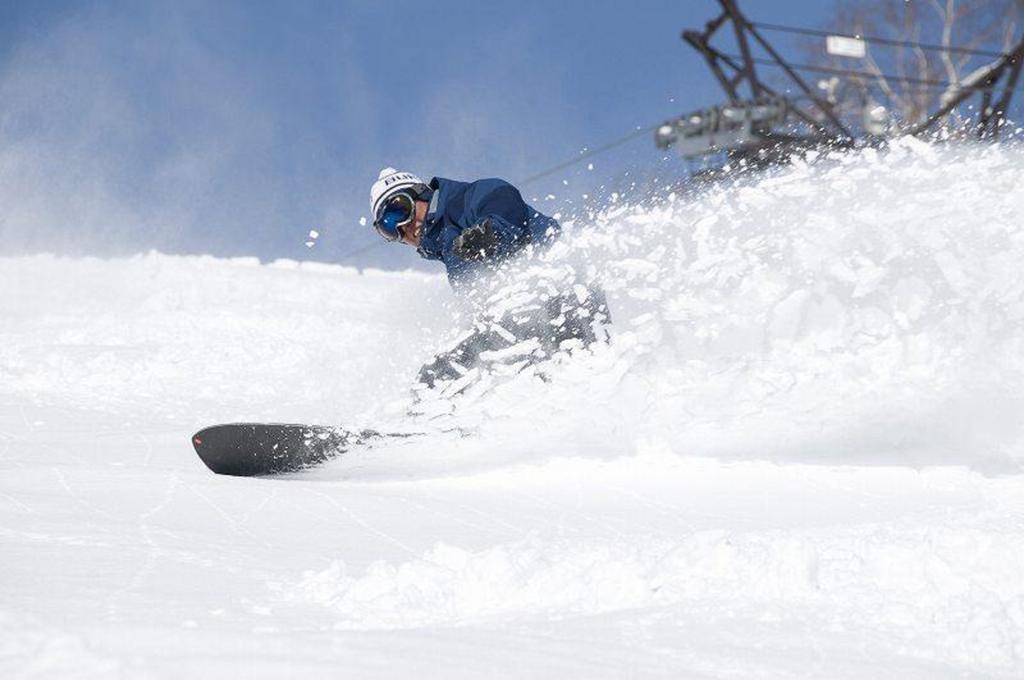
<point>251,449</point>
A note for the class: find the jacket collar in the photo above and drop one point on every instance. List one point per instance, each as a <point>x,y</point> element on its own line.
<point>439,196</point>
<point>430,246</point>
<point>434,193</point>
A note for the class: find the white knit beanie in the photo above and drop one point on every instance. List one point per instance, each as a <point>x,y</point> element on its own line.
<point>390,182</point>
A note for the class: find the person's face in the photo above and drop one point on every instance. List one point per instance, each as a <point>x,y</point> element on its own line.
<point>412,233</point>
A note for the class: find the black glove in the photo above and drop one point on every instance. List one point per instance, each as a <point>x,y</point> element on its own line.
<point>478,243</point>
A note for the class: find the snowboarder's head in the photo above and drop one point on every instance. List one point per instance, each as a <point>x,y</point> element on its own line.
<point>396,205</point>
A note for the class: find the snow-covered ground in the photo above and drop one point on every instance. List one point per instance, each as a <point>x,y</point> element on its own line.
<point>800,455</point>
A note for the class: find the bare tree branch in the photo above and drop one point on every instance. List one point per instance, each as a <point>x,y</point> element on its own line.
<point>948,16</point>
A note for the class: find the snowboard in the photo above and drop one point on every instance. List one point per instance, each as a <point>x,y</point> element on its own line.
<point>251,449</point>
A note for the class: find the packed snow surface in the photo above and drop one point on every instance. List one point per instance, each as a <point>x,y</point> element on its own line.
<point>800,454</point>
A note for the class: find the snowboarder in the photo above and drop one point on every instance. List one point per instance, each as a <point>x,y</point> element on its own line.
<point>474,228</point>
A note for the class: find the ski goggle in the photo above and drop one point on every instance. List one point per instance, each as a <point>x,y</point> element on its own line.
<point>396,212</point>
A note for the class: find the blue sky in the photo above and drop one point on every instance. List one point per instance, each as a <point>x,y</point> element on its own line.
<point>233,128</point>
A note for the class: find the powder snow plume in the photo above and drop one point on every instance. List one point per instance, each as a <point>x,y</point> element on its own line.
<point>863,307</point>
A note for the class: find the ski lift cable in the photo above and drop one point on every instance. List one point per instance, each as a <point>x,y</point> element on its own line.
<point>873,76</point>
<point>590,154</point>
<point>365,249</point>
<point>544,173</point>
<point>881,41</point>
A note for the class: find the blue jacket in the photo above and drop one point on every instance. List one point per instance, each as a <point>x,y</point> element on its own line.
<point>455,206</point>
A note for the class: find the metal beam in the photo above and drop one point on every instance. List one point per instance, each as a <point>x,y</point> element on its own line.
<point>997,115</point>
<point>738,25</point>
<point>700,43</point>
<point>990,80</point>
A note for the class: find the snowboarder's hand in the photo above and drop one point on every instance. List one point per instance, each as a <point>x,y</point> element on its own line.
<point>477,243</point>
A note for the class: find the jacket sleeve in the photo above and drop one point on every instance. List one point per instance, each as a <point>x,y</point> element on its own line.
<point>503,205</point>
<point>459,271</point>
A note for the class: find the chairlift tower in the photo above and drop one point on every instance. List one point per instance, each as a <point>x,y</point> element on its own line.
<point>761,124</point>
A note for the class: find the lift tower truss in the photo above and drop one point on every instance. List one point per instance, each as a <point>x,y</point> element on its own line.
<point>760,122</point>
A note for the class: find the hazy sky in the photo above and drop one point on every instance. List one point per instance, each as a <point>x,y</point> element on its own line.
<point>234,128</point>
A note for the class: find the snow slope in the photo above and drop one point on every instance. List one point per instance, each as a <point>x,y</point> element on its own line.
<point>799,456</point>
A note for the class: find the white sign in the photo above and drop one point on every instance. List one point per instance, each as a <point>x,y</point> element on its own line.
<point>844,46</point>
